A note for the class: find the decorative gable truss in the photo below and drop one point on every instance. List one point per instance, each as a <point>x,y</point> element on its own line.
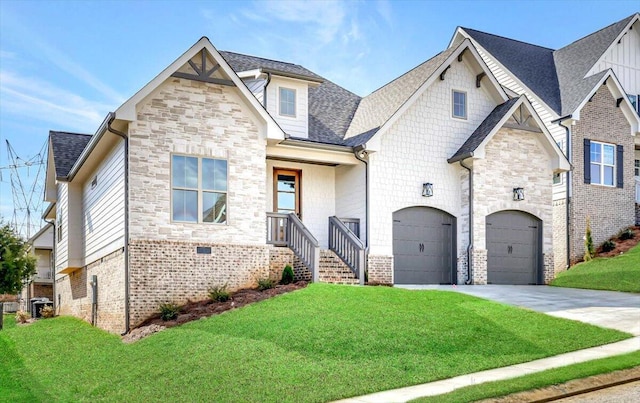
<point>198,69</point>
<point>516,113</point>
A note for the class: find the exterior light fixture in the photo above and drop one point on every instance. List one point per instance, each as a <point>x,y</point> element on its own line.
<point>518,194</point>
<point>427,189</point>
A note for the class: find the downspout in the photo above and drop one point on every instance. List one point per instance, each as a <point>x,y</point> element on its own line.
<point>264,91</point>
<point>52,262</point>
<point>470,246</point>
<point>568,198</point>
<point>361,155</point>
<point>112,117</point>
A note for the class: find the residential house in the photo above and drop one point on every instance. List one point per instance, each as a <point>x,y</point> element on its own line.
<point>41,284</point>
<point>587,94</point>
<point>225,167</point>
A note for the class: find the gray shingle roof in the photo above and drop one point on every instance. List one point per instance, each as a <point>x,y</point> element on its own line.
<point>67,148</point>
<point>331,107</point>
<point>574,61</point>
<point>482,131</point>
<point>557,77</point>
<point>532,64</point>
<point>375,109</point>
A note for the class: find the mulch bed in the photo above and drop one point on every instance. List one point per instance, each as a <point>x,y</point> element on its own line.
<point>621,246</point>
<point>203,309</point>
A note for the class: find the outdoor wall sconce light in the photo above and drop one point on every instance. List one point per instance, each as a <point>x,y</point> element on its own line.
<point>427,189</point>
<point>518,194</point>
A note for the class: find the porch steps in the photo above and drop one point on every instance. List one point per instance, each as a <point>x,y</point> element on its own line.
<point>333,270</point>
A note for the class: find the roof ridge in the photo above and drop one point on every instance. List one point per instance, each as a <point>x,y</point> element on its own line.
<point>263,58</point>
<point>509,39</point>
<point>598,31</point>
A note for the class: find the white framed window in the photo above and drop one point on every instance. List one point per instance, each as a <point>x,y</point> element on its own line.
<point>198,189</point>
<point>603,163</point>
<point>459,104</point>
<point>59,229</point>
<point>557,179</point>
<point>287,102</point>
<point>636,168</point>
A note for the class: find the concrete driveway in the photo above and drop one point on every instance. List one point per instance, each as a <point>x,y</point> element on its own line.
<point>615,310</point>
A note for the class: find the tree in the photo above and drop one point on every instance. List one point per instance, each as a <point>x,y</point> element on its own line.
<point>17,265</point>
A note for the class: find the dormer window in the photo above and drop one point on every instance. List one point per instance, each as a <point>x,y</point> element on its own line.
<point>287,102</point>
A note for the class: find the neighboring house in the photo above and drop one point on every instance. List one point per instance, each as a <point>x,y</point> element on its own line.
<point>226,167</point>
<point>588,95</point>
<point>41,284</point>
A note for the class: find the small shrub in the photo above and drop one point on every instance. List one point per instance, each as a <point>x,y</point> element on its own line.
<point>589,250</point>
<point>265,284</point>
<point>47,312</point>
<point>169,311</point>
<point>22,316</point>
<point>219,293</point>
<point>626,234</point>
<point>608,246</point>
<point>287,275</point>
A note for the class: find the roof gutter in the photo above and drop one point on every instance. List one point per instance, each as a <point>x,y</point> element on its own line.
<point>292,75</point>
<point>560,119</point>
<point>317,146</point>
<point>460,158</point>
<point>111,117</point>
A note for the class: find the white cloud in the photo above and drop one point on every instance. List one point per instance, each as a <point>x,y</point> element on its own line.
<point>35,99</point>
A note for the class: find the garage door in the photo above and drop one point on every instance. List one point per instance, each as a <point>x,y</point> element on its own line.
<point>423,246</point>
<point>513,248</point>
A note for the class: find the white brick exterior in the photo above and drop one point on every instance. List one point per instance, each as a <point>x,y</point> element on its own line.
<point>199,119</point>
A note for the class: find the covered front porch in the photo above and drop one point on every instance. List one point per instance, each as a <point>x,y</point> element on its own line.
<point>316,206</point>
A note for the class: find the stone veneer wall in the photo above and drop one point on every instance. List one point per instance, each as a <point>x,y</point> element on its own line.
<point>74,290</point>
<point>609,209</point>
<point>560,235</point>
<point>197,119</point>
<point>172,271</point>
<point>512,158</point>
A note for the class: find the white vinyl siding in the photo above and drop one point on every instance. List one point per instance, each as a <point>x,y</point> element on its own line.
<point>62,237</point>
<point>624,59</point>
<point>298,125</point>
<point>256,86</point>
<point>103,214</point>
<point>351,194</point>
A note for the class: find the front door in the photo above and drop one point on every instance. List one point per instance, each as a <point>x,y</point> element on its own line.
<point>286,192</point>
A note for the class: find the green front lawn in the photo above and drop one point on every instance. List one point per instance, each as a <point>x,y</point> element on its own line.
<point>539,380</point>
<point>620,273</point>
<point>321,343</point>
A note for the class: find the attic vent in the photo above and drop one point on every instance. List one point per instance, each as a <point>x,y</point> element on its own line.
<point>94,182</point>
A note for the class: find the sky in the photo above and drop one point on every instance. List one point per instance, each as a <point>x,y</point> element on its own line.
<point>65,64</point>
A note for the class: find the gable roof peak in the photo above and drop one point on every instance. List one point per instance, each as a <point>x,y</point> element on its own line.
<point>505,38</point>
<point>622,23</point>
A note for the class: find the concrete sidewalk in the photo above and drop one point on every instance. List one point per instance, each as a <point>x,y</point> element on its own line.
<point>499,374</point>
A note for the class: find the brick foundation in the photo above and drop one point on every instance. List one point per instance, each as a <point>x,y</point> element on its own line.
<point>380,269</point>
<point>74,291</point>
<point>171,271</point>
